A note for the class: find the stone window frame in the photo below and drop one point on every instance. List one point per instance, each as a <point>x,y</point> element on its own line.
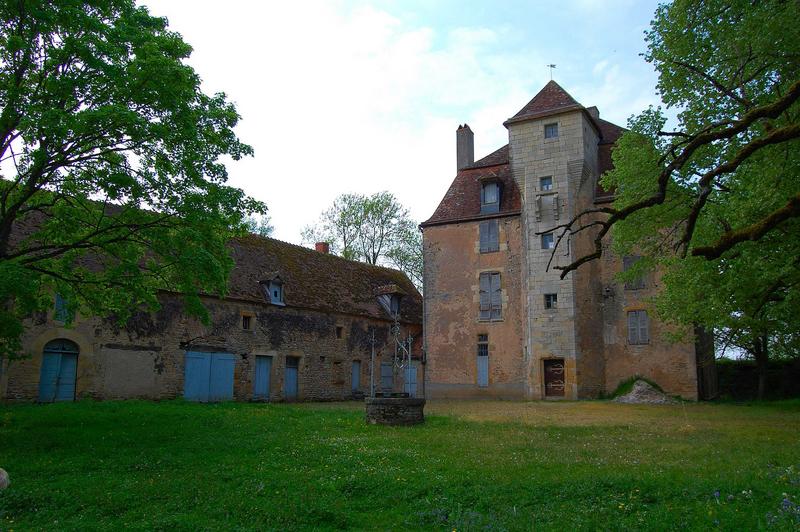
<point>339,332</point>
<point>247,317</point>
<point>550,301</point>
<point>548,131</point>
<point>549,186</point>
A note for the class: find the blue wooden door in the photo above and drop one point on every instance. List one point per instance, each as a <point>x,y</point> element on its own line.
<point>290,378</point>
<point>197,374</point>
<point>387,377</point>
<point>208,376</point>
<point>59,371</point>
<point>410,386</point>
<point>221,382</point>
<point>355,377</point>
<point>483,371</point>
<point>263,372</point>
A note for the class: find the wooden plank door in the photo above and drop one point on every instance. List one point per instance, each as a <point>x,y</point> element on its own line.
<point>197,373</point>
<point>387,377</point>
<point>355,377</point>
<point>65,388</point>
<point>483,371</point>
<point>48,377</point>
<point>410,386</point>
<point>554,382</point>
<point>290,378</point>
<point>220,384</point>
<point>263,372</point>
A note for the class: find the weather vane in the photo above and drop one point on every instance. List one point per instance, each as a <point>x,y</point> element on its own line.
<point>551,66</point>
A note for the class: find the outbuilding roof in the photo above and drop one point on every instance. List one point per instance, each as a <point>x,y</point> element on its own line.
<point>317,281</point>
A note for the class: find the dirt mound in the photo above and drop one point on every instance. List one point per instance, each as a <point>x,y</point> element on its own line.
<point>645,393</point>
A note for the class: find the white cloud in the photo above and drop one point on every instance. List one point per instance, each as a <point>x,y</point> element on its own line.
<point>336,101</point>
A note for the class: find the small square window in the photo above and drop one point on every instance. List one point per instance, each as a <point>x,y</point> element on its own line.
<point>338,332</point>
<point>550,131</point>
<point>546,183</point>
<point>247,322</point>
<point>551,301</point>
<point>547,241</point>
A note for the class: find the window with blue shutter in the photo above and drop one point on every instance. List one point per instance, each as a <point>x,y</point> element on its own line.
<point>490,198</point>
<point>491,297</point>
<point>628,262</point>
<point>61,311</point>
<point>547,241</point>
<point>489,236</point>
<point>638,327</point>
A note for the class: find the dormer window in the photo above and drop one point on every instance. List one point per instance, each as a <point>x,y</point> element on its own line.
<point>490,197</point>
<point>273,290</point>
<point>394,304</point>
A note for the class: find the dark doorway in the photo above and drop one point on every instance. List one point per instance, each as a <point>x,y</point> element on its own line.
<point>554,373</point>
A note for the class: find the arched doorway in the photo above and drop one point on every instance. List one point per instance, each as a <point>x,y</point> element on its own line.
<point>59,371</point>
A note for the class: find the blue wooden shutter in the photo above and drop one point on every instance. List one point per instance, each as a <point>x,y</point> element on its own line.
<point>197,373</point>
<point>387,377</point>
<point>493,240</point>
<point>221,377</point>
<point>644,327</point>
<point>633,328</point>
<point>485,296</point>
<point>484,236</point>
<point>497,299</point>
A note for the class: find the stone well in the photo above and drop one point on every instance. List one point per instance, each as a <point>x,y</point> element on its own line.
<point>395,410</point>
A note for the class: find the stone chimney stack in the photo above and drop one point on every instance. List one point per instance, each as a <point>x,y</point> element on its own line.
<point>594,112</point>
<point>322,247</point>
<point>465,147</point>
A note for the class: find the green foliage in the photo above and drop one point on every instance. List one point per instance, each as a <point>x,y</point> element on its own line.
<point>576,466</point>
<point>112,184</point>
<point>715,204</point>
<point>375,229</point>
<point>259,225</point>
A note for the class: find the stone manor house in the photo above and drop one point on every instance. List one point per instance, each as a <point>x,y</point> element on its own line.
<point>301,324</point>
<point>497,322</point>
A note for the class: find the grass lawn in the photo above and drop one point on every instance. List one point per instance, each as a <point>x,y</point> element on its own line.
<point>471,466</point>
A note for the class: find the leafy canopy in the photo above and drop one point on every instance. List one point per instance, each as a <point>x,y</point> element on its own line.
<point>376,229</point>
<point>112,161</point>
<point>715,203</point>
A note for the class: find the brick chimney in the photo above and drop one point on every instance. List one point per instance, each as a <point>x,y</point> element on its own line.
<point>465,147</point>
<point>323,247</point>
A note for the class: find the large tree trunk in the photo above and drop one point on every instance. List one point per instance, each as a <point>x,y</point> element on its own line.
<point>761,357</point>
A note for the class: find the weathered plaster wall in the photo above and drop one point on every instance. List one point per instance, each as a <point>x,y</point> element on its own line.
<point>453,263</point>
<point>145,357</point>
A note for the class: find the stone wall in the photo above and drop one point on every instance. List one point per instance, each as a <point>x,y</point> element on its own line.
<point>145,357</point>
<point>453,263</point>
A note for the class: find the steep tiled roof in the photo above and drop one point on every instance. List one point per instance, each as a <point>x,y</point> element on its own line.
<point>317,280</point>
<point>551,99</point>
<point>499,156</point>
<point>610,133</point>
<point>462,201</point>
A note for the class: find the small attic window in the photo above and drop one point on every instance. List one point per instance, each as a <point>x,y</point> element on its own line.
<point>550,131</point>
<point>273,291</point>
<point>490,197</point>
<point>390,303</point>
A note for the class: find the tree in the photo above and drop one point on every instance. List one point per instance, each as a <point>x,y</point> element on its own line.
<point>112,184</point>
<point>375,229</point>
<point>715,202</point>
<point>259,224</point>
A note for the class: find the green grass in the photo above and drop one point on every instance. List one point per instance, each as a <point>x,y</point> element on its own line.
<point>471,466</point>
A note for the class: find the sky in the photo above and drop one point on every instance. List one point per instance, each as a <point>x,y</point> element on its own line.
<point>353,96</point>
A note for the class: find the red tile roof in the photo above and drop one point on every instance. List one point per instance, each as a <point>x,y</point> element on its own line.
<point>462,202</point>
<point>552,99</point>
<point>318,281</point>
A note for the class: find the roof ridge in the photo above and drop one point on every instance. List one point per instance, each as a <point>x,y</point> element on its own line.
<point>552,98</point>
<point>332,255</point>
